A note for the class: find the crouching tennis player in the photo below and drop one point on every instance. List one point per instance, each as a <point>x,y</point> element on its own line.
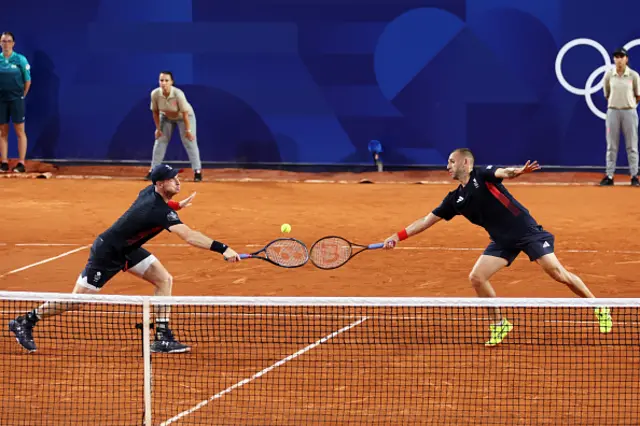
<point>485,202</point>
<point>119,248</point>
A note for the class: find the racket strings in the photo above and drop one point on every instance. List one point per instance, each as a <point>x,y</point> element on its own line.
<point>330,252</point>
<point>288,253</point>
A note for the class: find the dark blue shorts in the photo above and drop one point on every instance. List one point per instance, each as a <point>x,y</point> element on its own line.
<point>534,244</point>
<point>12,111</point>
<point>104,264</point>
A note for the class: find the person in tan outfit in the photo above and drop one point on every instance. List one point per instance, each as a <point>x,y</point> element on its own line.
<point>170,108</point>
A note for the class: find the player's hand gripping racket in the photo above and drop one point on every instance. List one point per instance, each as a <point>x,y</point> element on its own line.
<point>332,252</point>
<point>283,252</point>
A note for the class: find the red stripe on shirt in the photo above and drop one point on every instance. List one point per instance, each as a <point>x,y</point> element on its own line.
<point>503,199</point>
<point>143,234</point>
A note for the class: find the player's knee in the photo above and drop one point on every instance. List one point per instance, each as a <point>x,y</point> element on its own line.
<point>165,284</point>
<point>476,280</point>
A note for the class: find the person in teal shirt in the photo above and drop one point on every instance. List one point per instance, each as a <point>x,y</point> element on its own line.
<point>15,81</point>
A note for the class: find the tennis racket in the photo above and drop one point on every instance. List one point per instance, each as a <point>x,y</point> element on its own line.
<point>333,252</point>
<point>283,252</point>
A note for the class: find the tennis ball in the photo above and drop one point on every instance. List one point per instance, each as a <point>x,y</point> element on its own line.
<point>286,228</point>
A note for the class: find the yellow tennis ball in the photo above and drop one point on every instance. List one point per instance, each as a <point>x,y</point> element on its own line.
<point>286,228</point>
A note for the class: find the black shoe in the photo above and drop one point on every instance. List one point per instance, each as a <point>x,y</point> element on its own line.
<point>606,181</point>
<point>166,343</point>
<point>197,177</point>
<point>634,181</point>
<point>23,331</point>
<point>4,167</point>
<point>19,168</point>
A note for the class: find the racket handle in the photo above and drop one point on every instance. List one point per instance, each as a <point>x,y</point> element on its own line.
<point>245,256</point>
<point>376,246</point>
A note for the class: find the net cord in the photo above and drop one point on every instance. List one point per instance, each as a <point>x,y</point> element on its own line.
<point>322,301</point>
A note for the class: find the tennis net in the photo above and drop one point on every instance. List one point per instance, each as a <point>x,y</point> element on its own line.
<point>294,361</point>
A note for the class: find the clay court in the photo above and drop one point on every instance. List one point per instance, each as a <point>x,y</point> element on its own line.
<point>404,377</point>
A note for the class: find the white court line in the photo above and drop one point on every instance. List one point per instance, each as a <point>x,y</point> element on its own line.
<point>263,372</point>
<point>45,261</point>
<point>76,244</point>
<point>435,248</point>
<point>45,244</point>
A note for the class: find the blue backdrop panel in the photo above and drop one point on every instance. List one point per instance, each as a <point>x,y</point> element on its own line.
<point>313,81</point>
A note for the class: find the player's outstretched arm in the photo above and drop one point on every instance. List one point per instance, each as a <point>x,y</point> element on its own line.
<point>416,227</point>
<point>198,239</point>
<point>514,172</point>
<point>179,205</point>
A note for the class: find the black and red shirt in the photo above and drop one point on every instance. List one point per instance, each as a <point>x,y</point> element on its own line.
<point>485,202</point>
<point>147,217</point>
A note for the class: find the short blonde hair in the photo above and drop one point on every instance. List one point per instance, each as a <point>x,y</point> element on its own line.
<point>466,152</point>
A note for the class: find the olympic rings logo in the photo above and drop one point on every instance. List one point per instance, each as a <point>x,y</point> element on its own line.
<point>589,87</point>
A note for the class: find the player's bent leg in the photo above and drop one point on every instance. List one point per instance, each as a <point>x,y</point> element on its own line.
<point>49,309</point>
<point>90,281</point>
<point>22,326</point>
<point>153,271</point>
<point>552,266</point>
<point>82,286</point>
<point>486,266</point>
<point>148,267</point>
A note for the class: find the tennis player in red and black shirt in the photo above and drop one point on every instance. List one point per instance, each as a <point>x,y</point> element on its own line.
<point>484,201</point>
<point>119,248</point>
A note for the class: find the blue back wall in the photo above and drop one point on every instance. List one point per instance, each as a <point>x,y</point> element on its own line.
<point>312,81</point>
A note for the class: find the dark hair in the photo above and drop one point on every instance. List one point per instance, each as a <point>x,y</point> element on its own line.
<point>9,33</point>
<point>467,153</point>
<point>169,73</point>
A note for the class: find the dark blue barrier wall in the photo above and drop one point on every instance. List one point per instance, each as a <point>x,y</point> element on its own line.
<point>313,81</point>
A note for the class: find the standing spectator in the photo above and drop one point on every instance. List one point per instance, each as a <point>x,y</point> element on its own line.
<point>170,108</point>
<point>15,81</point>
<point>622,90</point>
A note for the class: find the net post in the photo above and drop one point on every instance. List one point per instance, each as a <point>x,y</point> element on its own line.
<point>146,353</point>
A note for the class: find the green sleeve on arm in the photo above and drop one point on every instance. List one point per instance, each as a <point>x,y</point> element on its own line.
<point>26,68</point>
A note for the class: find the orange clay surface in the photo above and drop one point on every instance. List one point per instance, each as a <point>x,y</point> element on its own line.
<point>408,378</point>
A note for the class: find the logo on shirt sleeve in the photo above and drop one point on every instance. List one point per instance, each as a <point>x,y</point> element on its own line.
<point>172,216</point>
<point>27,67</point>
<point>489,167</point>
